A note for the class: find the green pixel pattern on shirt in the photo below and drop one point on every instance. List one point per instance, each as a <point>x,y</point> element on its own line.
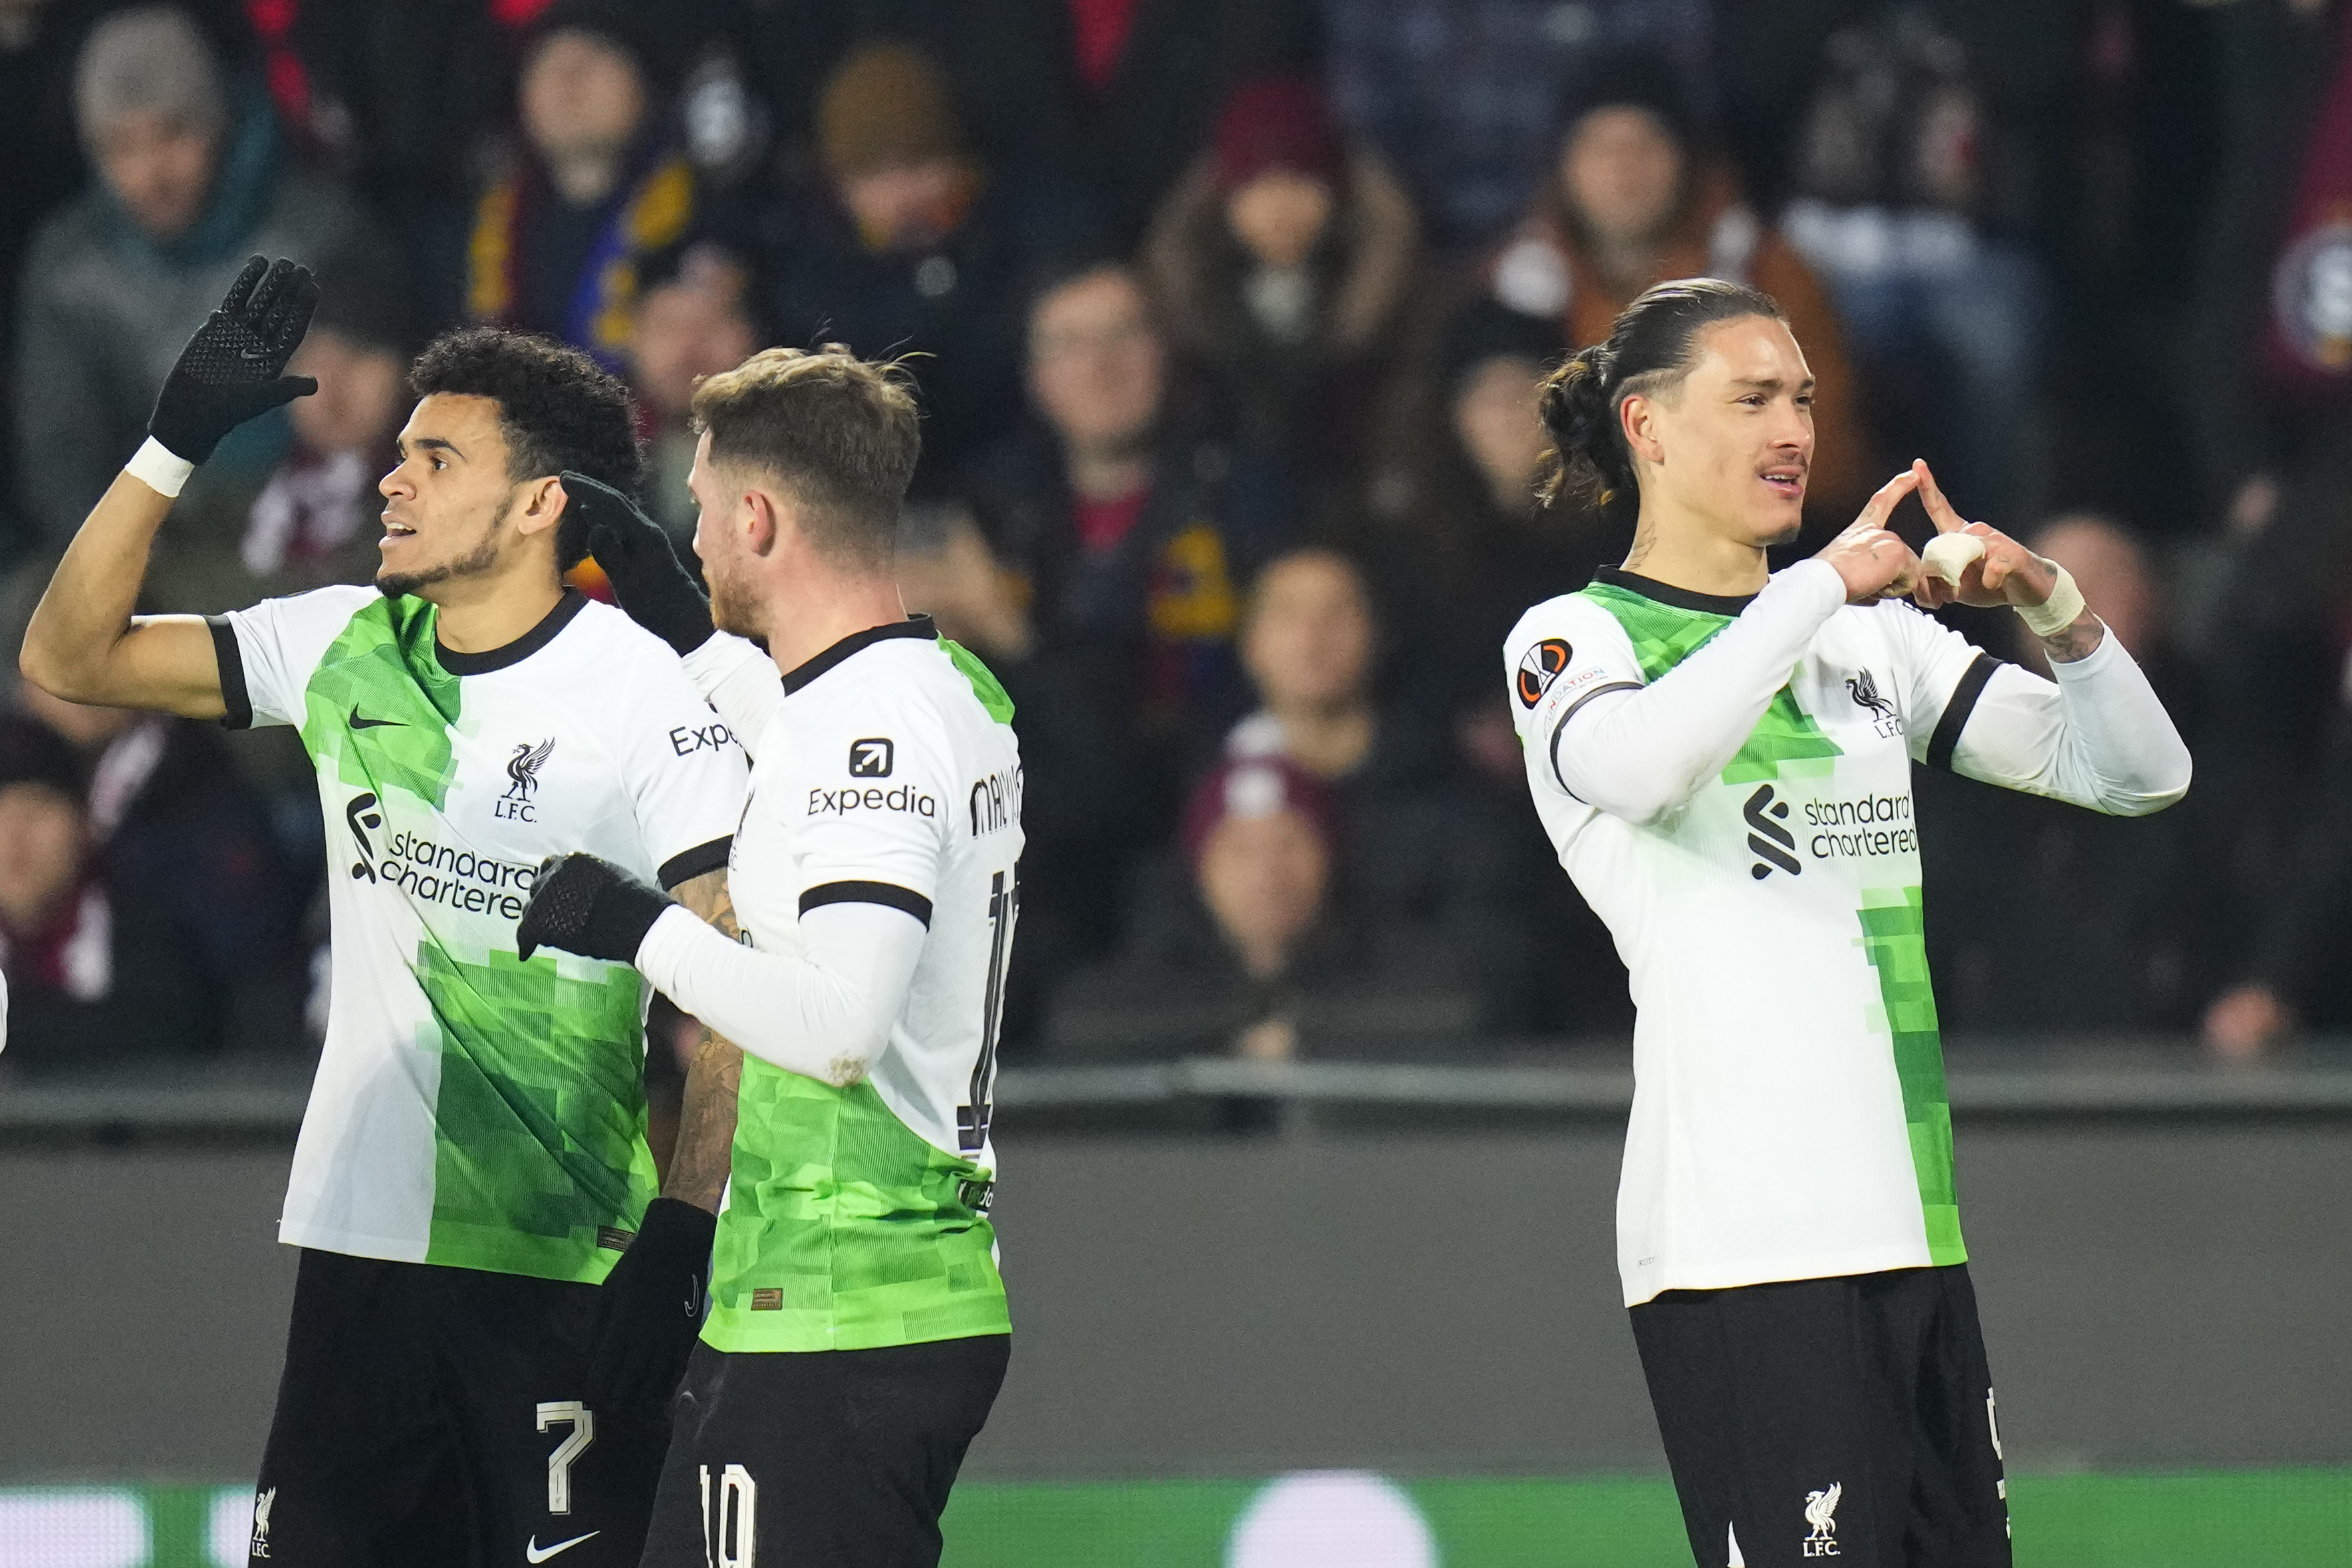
<point>1894,938</point>
<point>539,1125</point>
<point>382,668</point>
<point>984,684</point>
<point>1785,740</point>
<point>843,1229</point>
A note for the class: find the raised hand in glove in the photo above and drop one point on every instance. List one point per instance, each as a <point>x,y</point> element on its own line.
<point>651,582</point>
<point>649,1309</point>
<point>590,907</point>
<point>235,367</point>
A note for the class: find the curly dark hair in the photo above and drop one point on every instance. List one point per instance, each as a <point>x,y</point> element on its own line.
<point>557,409</point>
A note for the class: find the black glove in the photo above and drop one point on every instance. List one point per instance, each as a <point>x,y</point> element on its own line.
<point>590,907</point>
<point>651,584</point>
<point>649,1309</point>
<point>235,367</point>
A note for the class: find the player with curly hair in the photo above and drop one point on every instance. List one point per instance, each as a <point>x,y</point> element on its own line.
<point>492,1305</point>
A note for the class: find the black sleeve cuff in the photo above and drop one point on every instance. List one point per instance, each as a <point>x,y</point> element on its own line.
<point>887,894</point>
<point>689,863</point>
<point>1962,702</point>
<point>231,659</point>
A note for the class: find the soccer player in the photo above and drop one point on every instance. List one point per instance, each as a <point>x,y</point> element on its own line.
<point>458,1388</point>
<point>1722,756</point>
<point>857,1331</point>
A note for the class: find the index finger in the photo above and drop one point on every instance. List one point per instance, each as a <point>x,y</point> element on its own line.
<point>1931,496</point>
<point>1880,507</point>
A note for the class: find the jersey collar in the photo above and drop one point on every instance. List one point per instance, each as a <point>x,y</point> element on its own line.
<point>573,602</point>
<point>1680,598</point>
<point>800,674</point>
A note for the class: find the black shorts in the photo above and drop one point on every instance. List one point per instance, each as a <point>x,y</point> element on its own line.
<point>820,1458</point>
<point>1846,1420</point>
<point>433,1415</point>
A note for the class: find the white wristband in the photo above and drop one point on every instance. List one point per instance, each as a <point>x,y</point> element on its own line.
<point>2057,612</point>
<point>159,467</point>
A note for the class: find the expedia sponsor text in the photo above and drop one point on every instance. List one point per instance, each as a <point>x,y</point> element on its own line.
<point>899,797</point>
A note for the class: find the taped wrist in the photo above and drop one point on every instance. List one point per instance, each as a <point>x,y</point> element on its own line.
<point>2056,613</point>
<point>159,467</point>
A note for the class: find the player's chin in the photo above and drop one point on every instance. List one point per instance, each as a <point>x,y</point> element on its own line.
<point>1781,524</point>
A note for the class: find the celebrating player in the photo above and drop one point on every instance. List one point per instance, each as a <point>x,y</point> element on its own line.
<point>1722,757</point>
<point>476,1109</point>
<point>857,1331</point>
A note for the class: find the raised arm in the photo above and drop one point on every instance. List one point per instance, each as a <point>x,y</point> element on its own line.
<point>2097,735</point>
<point>1639,751</point>
<point>83,643</point>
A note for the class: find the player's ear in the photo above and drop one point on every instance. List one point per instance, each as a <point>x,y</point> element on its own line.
<point>763,522</point>
<point>540,505</point>
<point>1638,418</point>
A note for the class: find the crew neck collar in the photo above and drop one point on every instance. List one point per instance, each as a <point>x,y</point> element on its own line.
<point>1667,594</point>
<point>800,674</point>
<point>571,603</point>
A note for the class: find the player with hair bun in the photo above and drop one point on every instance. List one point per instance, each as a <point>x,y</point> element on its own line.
<point>1722,755</point>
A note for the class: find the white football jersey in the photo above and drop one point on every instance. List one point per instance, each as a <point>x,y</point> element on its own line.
<point>855,1218</point>
<point>471,1109</point>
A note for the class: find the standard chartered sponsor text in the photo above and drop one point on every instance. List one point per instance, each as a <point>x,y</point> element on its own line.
<point>458,878</point>
<point>1872,826</point>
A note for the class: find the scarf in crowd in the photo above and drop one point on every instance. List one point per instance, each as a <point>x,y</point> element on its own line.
<point>313,505</point>
<point>2307,336</point>
<point>643,215</point>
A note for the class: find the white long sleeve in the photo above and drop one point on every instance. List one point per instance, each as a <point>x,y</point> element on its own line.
<point>2098,736</point>
<point>825,1011</point>
<point>739,680</point>
<point>1639,752</point>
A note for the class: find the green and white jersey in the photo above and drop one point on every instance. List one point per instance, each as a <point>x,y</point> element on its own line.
<point>886,810</point>
<point>1790,1119</point>
<point>471,1109</point>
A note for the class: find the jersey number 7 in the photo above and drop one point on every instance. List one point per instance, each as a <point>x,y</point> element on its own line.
<point>972,1119</point>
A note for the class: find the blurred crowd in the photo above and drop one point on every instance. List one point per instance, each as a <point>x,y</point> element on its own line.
<point>1228,317</point>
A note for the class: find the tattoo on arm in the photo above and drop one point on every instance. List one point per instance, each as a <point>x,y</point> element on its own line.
<point>2079,640</point>
<point>706,1122</point>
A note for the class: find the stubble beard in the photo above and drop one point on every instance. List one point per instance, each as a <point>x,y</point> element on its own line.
<point>734,609</point>
<point>477,562</point>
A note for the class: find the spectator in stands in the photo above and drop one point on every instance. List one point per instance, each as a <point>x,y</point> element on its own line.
<point>1118,534</point>
<point>2119,897</point>
<point>1632,200</point>
<point>1127,530</point>
<point>192,181</point>
<point>1464,96</point>
<point>143,916</point>
<point>598,183</point>
<point>1263,954</point>
<point>1458,542</point>
<point>907,242</point>
<point>38,40</point>
<point>1114,96</point>
<point>1433,853</point>
<point>1944,318</point>
<point>1281,261</point>
<point>695,319</point>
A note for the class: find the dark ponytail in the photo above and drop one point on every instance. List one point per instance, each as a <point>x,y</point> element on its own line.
<point>1649,348</point>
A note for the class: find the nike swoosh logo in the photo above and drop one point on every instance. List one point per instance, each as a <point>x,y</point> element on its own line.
<point>534,1552</point>
<point>259,353</point>
<point>359,723</point>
